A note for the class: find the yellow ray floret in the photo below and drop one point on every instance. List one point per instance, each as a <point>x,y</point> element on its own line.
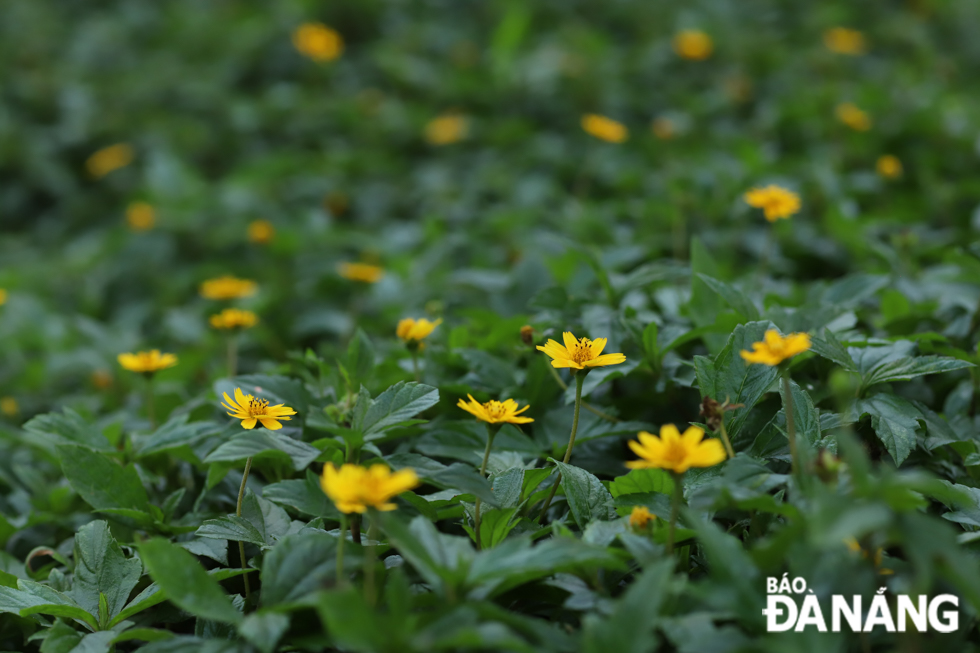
<point>641,516</point>
<point>364,272</point>
<point>228,287</point>
<point>318,42</point>
<point>580,353</point>
<point>693,44</point>
<point>675,452</point>
<point>604,128</point>
<point>147,362</point>
<point>843,40</point>
<point>775,201</point>
<point>261,232</point>
<point>234,318</point>
<point>495,412</point>
<point>353,488</point>
<point>775,348</point>
<point>411,329</point>
<point>251,410</point>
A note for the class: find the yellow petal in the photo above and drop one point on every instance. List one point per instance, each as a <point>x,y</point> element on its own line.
<point>249,423</point>
<point>270,424</point>
<point>570,340</point>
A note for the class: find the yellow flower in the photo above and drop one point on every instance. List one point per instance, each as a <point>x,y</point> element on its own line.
<point>8,406</point>
<point>856,547</point>
<point>580,353</point>
<point>3,296</point>
<point>676,452</point>
<point>775,201</point>
<point>640,517</point>
<point>853,117</point>
<point>353,488</point>
<point>604,128</point>
<point>889,166</point>
<point>234,318</point>
<point>251,410</point>
<point>693,44</point>
<point>227,287</point>
<point>109,158</point>
<point>412,330</point>
<point>663,128</point>
<point>361,272</point>
<point>843,40</point>
<point>774,349</point>
<point>495,412</point>
<point>318,42</point>
<point>140,216</point>
<point>446,129</point>
<point>147,362</point>
<point>261,232</point>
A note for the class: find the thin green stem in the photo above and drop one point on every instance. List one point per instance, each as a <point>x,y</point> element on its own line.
<point>790,423</point>
<point>586,405</point>
<point>725,439</point>
<point>415,366</point>
<point>238,512</point>
<point>370,590</point>
<point>675,506</point>
<point>491,432</point>
<point>151,413</point>
<point>579,379</point>
<point>232,354</point>
<point>340,550</point>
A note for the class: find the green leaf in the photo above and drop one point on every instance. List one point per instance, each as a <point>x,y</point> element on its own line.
<point>650,346</point>
<point>360,358</point>
<point>260,444</point>
<point>462,478</point>
<point>176,433</point>
<point>439,558</point>
<point>733,296</point>
<point>30,598</point>
<point>629,626</point>
<point>66,428</point>
<point>831,348</point>
<point>185,583</point>
<point>102,482</point>
<point>264,629</point>
<point>894,420</point>
<point>305,495</point>
<point>299,565</point>
<point>102,571</point>
<point>62,638</point>
<point>599,376</point>
<point>495,525</point>
<point>908,368</point>
<point>262,523</point>
<point>807,419</point>
<point>587,497</point>
<point>233,528</point>
<point>507,485</point>
<point>641,481</point>
<point>396,405</point>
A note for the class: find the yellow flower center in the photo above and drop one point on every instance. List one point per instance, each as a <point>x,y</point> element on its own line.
<point>495,409</point>
<point>582,351</point>
<point>257,407</point>
<point>675,453</point>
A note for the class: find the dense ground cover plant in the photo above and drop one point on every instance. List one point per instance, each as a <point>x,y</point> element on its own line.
<point>517,326</point>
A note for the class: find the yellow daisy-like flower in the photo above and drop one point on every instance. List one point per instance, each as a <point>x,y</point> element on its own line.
<point>693,44</point>
<point>675,452</point>
<point>604,128</point>
<point>495,412</point>
<point>775,348</point>
<point>9,406</point>
<point>140,216</point>
<point>446,129</point>
<point>640,517</point>
<point>261,232</point>
<point>580,354</point>
<point>775,201</point>
<point>353,488</point>
<point>228,287</point>
<point>364,272</point>
<point>412,330</point>
<point>109,159</point>
<point>663,128</point>
<point>147,362</point>
<point>856,547</point>
<point>3,296</point>
<point>853,117</point>
<point>318,42</point>
<point>843,40</point>
<point>889,166</point>
<point>251,410</point>
<point>234,318</point>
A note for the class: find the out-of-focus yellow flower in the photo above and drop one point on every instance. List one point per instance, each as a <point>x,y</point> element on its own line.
<point>147,362</point>
<point>856,547</point>
<point>140,216</point>
<point>251,410</point>
<point>853,117</point>
<point>775,348</point>
<point>580,353</point>
<point>318,42</point>
<point>109,158</point>
<point>675,452</point>
<point>411,330</point>
<point>843,40</point>
<point>234,318</point>
<point>101,379</point>
<point>228,287</point>
<point>446,129</point>
<point>889,166</point>
<point>495,412</point>
<point>663,128</point>
<point>775,201</point>
<point>3,296</point>
<point>364,272</point>
<point>693,44</point>
<point>353,488</point>
<point>640,517</point>
<point>604,128</point>
<point>261,232</point>
<point>527,334</point>
<point>9,406</point>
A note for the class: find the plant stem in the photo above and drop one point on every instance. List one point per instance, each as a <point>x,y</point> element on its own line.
<point>675,506</point>
<point>232,354</point>
<point>579,379</point>
<point>491,432</point>
<point>415,366</point>
<point>790,422</point>
<point>586,405</point>
<point>238,512</point>
<point>340,550</point>
<point>724,438</point>
<point>151,413</point>
<point>355,528</point>
<point>370,592</point>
